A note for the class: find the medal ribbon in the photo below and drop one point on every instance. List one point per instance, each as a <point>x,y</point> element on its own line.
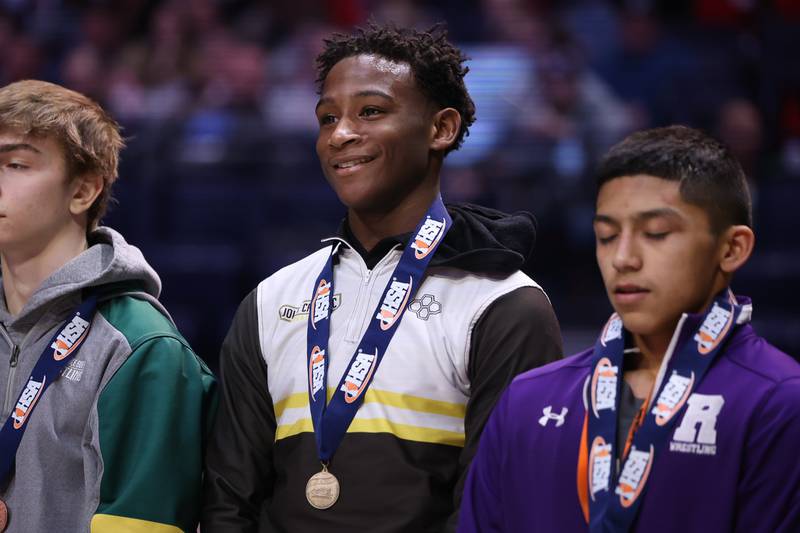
<point>332,420</point>
<point>614,497</point>
<point>56,355</point>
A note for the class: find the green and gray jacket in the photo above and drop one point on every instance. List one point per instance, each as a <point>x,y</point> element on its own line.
<point>116,444</point>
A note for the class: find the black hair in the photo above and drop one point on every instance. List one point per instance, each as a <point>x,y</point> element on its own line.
<point>710,177</point>
<point>436,64</point>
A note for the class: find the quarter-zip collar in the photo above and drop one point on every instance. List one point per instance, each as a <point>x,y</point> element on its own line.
<point>379,251</point>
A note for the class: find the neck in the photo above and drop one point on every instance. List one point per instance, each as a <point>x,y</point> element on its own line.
<point>652,349</point>
<point>370,227</point>
<point>642,369</point>
<point>24,271</point>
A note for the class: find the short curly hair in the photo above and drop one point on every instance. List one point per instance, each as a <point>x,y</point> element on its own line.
<point>437,65</point>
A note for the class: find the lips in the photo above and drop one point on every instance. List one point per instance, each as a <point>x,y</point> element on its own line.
<point>628,288</point>
<point>353,162</point>
<point>629,293</point>
<point>350,162</point>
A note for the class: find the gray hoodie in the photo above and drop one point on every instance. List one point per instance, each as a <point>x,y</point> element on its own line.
<point>116,442</point>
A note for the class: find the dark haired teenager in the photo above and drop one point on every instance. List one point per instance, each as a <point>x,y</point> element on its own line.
<point>680,418</point>
<point>388,449</point>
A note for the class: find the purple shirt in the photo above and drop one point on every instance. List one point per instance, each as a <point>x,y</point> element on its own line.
<point>731,463</point>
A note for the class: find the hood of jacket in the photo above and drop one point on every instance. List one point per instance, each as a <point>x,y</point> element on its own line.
<point>480,240</point>
<point>109,265</point>
<point>487,240</point>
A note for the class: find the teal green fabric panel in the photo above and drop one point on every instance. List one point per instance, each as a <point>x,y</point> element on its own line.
<point>153,419</point>
<point>137,320</point>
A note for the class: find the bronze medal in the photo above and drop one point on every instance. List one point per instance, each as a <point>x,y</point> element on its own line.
<point>322,489</point>
<point>3,516</point>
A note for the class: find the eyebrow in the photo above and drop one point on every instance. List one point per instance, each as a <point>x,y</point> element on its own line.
<point>359,94</point>
<point>643,216</point>
<point>13,147</point>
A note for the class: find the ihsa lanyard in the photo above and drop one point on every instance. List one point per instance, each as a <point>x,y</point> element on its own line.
<point>332,420</point>
<point>56,355</point>
<point>614,498</point>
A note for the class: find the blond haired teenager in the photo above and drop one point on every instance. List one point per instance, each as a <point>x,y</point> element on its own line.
<point>104,404</point>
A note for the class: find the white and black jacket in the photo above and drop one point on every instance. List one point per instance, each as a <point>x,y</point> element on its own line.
<point>476,322</point>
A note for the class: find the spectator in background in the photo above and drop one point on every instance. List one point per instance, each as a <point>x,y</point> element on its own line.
<point>226,124</point>
<point>739,126</point>
<point>641,68</point>
<point>22,59</point>
<point>556,137</point>
<point>580,118</point>
<point>291,91</point>
<point>790,149</point>
<point>516,22</point>
<point>82,70</point>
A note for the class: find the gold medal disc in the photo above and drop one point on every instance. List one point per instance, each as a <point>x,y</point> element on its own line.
<point>322,489</point>
<point>3,516</point>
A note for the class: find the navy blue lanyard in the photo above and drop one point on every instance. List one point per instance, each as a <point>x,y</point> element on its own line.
<point>332,420</point>
<point>56,355</point>
<point>614,497</point>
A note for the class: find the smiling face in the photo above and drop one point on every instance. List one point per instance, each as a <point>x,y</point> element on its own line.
<point>36,195</point>
<point>656,253</point>
<point>375,134</point>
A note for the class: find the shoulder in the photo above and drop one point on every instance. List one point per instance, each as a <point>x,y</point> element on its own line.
<point>563,379</point>
<point>522,321</point>
<point>525,303</point>
<point>477,292</point>
<point>247,312</point>
<point>309,264</point>
<point>488,277</point>
<point>155,343</point>
<point>763,361</point>
<point>243,335</point>
<point>776,416</point>
<point>292,281</point>
<point>558,383</point>
<point>138,320</point>
<point>572,368</point>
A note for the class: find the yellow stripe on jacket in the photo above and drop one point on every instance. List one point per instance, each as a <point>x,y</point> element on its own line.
<point>106,523</point>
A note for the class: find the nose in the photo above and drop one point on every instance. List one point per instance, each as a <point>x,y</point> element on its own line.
<point>626,254</point>
<point>343,133</point>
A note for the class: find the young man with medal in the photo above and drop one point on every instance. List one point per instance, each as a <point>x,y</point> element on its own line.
<point>105,406</point>
<point>681,418</point>
<point>362,408</point>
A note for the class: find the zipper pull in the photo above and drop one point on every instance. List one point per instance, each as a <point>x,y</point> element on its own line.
<point>14,356</point>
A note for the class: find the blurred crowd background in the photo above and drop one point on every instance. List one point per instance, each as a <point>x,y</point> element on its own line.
<point>220,184</point>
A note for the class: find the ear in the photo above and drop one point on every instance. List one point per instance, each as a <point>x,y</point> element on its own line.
<point>737,245</point>
<point>444,130</point>
<point>85,190</point>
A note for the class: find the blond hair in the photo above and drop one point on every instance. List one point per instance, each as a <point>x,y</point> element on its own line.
<point>90,137</point>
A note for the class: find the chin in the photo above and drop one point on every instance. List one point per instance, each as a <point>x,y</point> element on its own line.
<point>646,324</point>
<point>366,200</point>
<point>357,203</point>
<point>352,195</point>
<point>639,323</point>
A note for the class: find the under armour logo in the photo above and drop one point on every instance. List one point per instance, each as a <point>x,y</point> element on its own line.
<point>547,414</point>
